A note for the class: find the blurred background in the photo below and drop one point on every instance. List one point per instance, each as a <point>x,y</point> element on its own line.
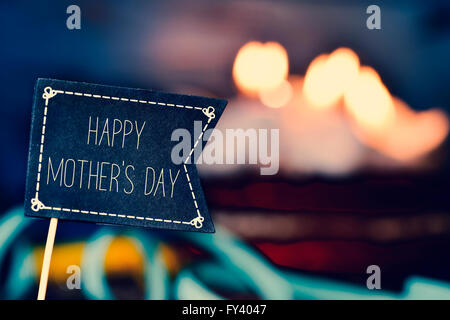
<point>364,162</point>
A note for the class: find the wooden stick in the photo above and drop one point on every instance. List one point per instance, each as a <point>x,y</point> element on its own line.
<point>47,258</point>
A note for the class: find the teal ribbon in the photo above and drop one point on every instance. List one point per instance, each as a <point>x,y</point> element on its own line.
<point>234,267</point>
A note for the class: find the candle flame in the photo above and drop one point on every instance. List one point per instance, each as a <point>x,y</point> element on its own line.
<point>260,66</point>
<point>378,119</point>
<point>328,76</point>
<point>369,101</point>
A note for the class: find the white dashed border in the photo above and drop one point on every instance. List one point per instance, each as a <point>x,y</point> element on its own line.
<point>37,205</point>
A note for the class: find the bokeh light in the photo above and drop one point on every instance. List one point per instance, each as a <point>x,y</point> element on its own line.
<point>328,76</point>
<point>369,102</point>
<point>260,66</point>
<point>276,97</point>
<point>411,136</point>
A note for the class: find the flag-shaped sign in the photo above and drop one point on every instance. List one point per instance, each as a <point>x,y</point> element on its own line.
<point>112,155</point>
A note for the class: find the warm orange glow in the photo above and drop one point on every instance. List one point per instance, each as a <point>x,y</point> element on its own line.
<point>328,76</point>
<point>122,257</point>
<point>379,120</point>
<point>412,135</point>
<point>63,256</point>
<point>277,97</point>
<point>260,66</point>
<point>369,101</point>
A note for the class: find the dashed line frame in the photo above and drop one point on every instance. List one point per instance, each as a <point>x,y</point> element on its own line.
<point>37,204</point>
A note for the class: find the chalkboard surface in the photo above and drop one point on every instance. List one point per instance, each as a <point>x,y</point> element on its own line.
<point>104,154</point>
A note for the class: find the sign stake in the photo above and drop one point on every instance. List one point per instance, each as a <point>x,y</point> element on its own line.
<point>47,258</point>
